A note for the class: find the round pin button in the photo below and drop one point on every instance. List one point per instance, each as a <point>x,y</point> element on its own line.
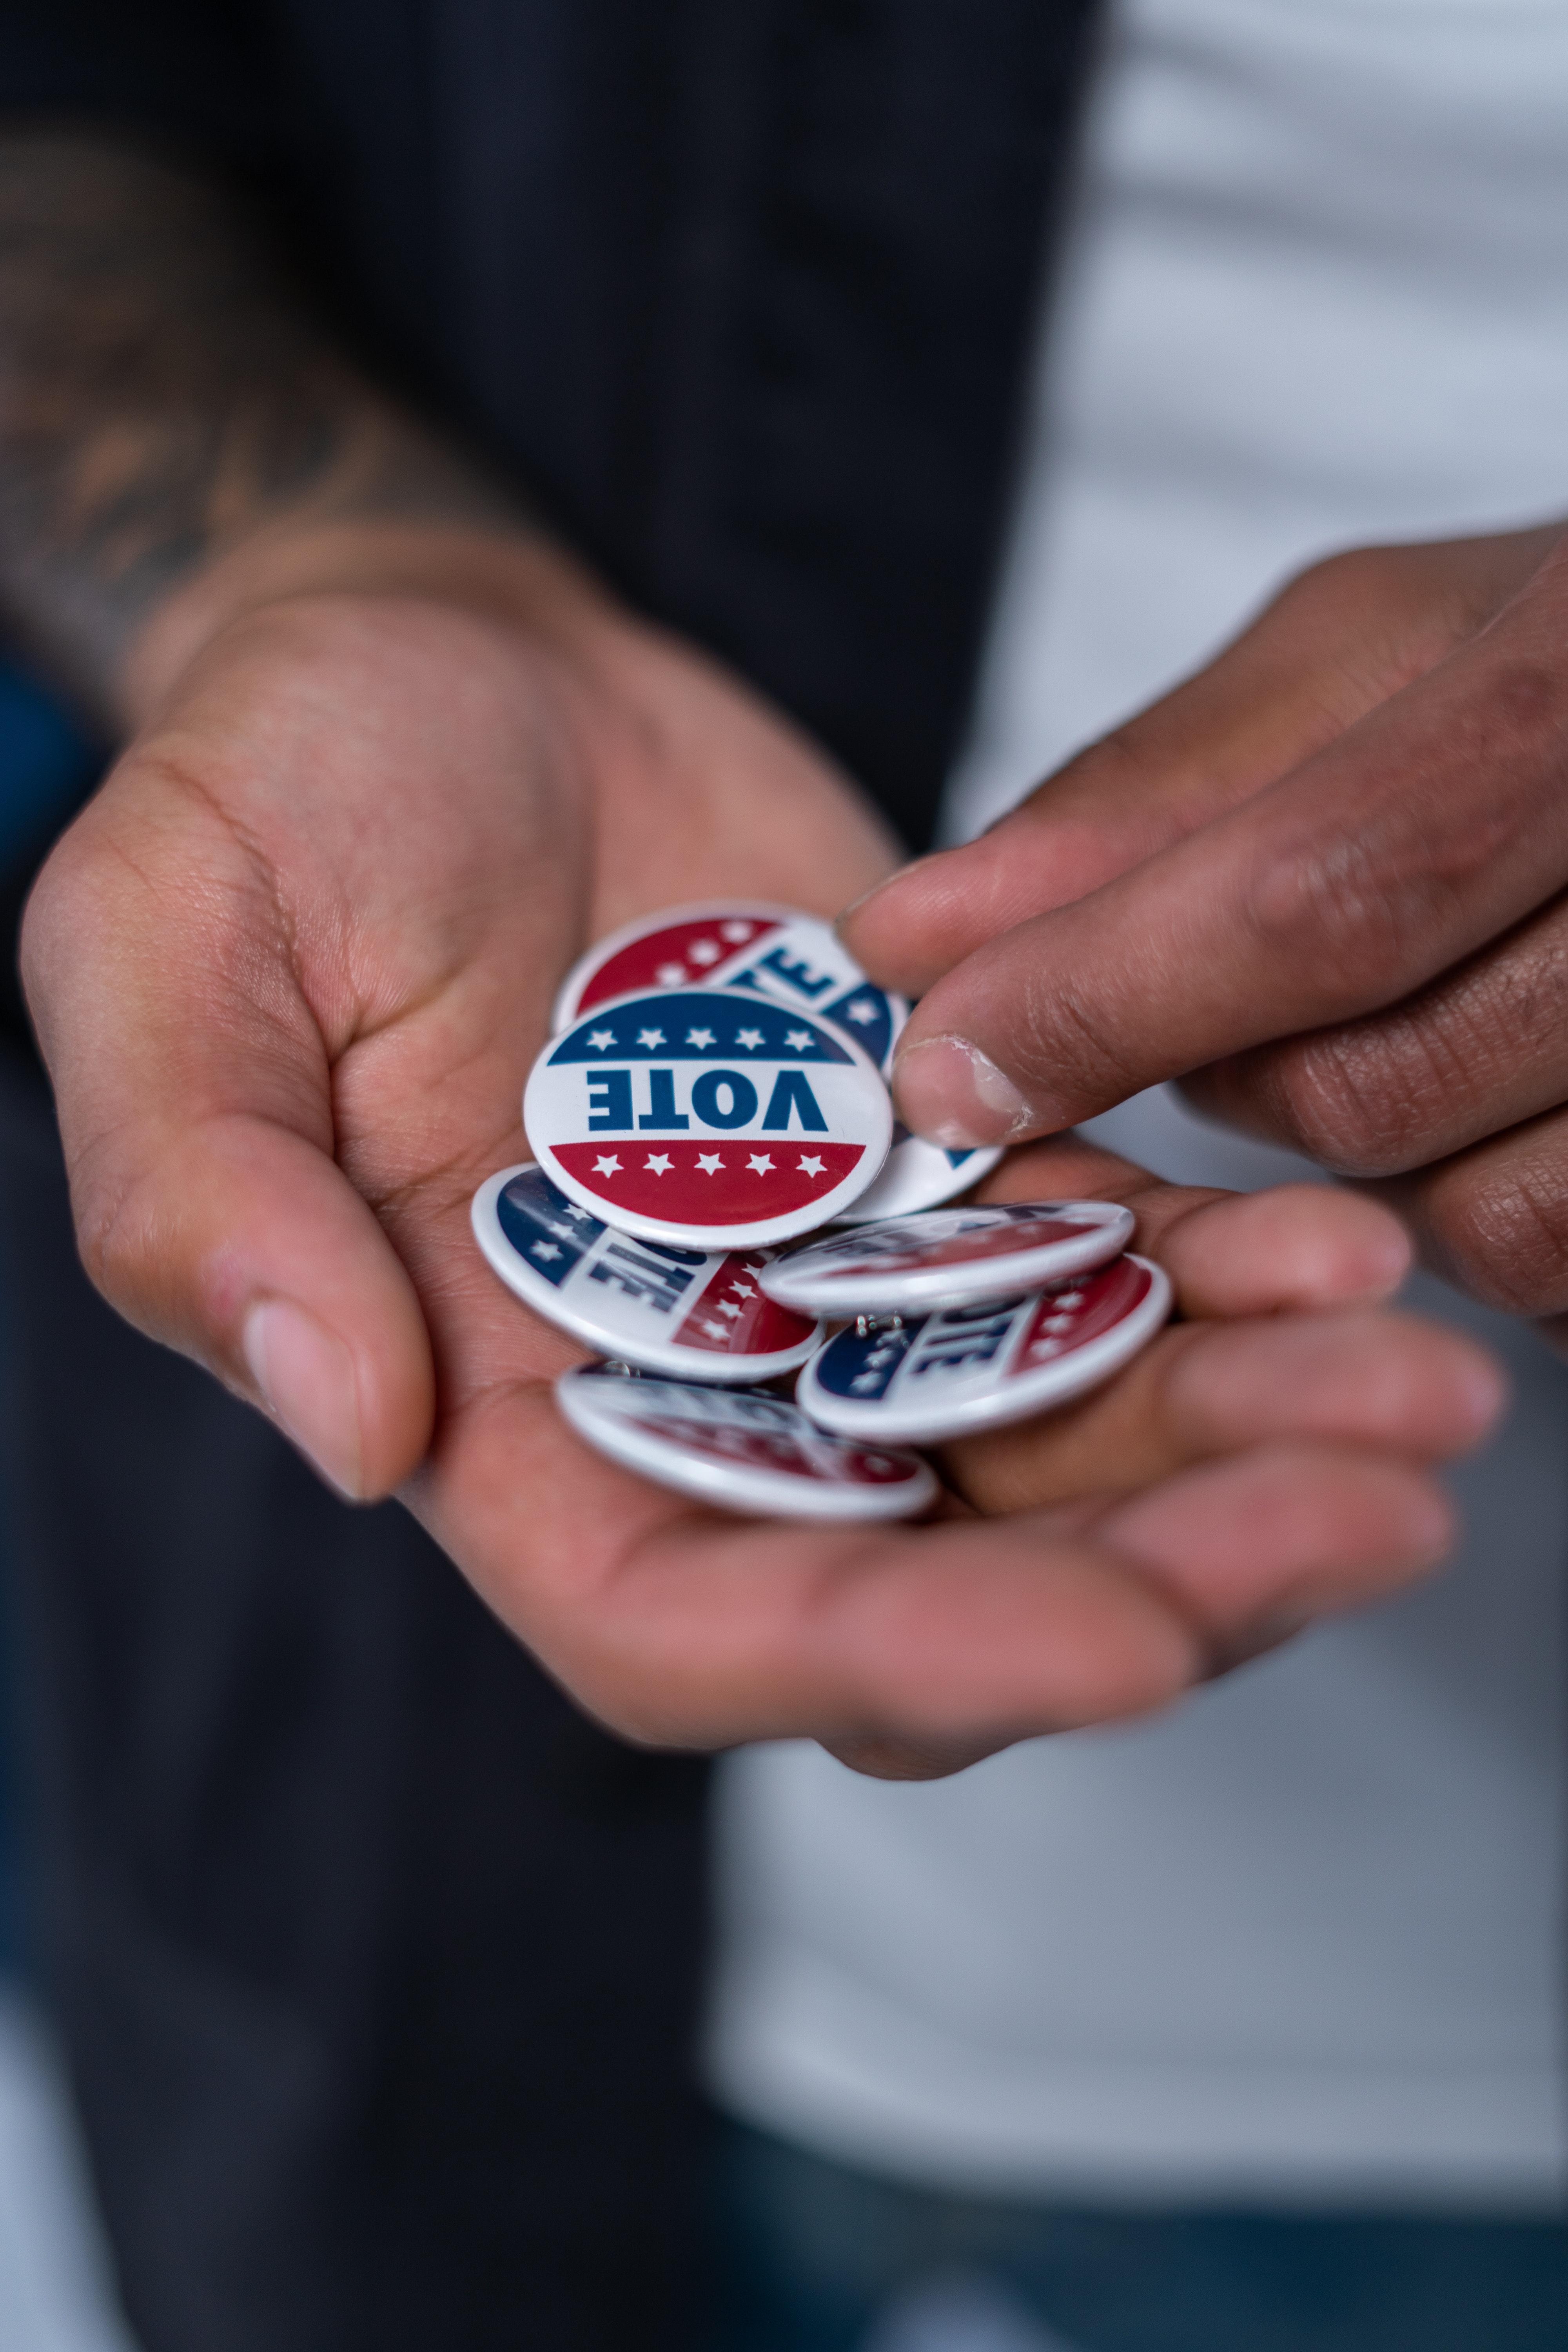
<point>710,1118</point>
<point>701,1312</point>
<point>978,1367</point>
<point>739,943</point>
<point>948,1257</point>
<point>740,1449</point>
<point>919,1175</point>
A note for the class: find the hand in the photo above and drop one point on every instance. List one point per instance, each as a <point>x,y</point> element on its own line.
<point>1323,881</point>
<point>289,969</point>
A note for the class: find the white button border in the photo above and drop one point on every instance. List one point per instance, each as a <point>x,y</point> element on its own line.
<point>767,1494</point>
<point>1047,1385</point>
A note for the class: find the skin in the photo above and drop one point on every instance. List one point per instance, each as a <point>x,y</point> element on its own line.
<point>1322,883</point>
<point>389,766</point>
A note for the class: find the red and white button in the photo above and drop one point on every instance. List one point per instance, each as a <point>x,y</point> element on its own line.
<point>917,1381</point>
<point>708,1119</point>
<point>948,1257</point>
<point>697,1312</point>
<point>739,943</point>
<point>740,1449</point>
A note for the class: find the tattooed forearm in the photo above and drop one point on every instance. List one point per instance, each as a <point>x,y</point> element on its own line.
<point>163,394</point>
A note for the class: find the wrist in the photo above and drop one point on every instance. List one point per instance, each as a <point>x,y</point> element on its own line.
<point>505,572</point>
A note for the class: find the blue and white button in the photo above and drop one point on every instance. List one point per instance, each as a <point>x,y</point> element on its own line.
<point>739,944</point>
<point>702,1313</point>
<point>948,1257</point>
<point>931,1376</point>
<point>709,1119</point>
<point>740,1449</point>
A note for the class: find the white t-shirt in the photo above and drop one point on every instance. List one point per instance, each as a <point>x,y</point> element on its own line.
<point>1302,1938</point>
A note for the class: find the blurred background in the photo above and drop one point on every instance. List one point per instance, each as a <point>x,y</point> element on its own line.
<point>55,2288</point>
<point>380,1968</point>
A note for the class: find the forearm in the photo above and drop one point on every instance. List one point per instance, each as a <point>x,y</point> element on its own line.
<point>170,413</point>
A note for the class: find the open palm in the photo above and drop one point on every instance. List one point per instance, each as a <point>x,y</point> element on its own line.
<point>289,970</point>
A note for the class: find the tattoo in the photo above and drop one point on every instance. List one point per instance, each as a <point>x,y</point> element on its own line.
<point>165,391</point>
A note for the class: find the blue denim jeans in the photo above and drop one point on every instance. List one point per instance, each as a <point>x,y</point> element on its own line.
<point>814,2251</point>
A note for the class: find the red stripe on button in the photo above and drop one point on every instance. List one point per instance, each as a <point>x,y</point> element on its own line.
<point>1105,1296</point>
<point>639,965</point>
<point>734,1317</point>
<point>734,1194</point>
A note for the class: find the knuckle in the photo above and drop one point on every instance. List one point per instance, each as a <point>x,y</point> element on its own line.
<point>1502,1233</point>
<point>1361,893</point>
<point>1335,1100</point>
<point>1335,911</point>
<point>1068,1047</point>
<point>1377,1097</point>
<point>1351,573</point>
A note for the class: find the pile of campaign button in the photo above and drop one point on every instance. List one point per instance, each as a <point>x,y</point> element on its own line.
<point>948,1257</point>
<point>698,1312</point>
<point>920,1380</point>
<point>741,1449</point>
<point>714,1091</point>
<point>799,959</point>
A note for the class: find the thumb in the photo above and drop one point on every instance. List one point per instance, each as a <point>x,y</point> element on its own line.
<point>194,1096</point>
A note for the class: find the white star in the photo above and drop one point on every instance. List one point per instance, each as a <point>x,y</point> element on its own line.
<point>657,1163</point>
<point>601,1038</point>
<point>704,952</point>
<point>864,1009</point>
<point>700,1038</point>
<point>811,1165</point>
<point>732,1312</point>
<point>745,1289</point>
<point>650,1038</point>
<point>760,1162</point>
<point>710,1162</point>
<point>748,1038</point>
<point>716,1330</point>
<point>581,1215</point>
<point>671,975</point>
<point>867,1380</point>
<point>736,933</point>
<point>799,1038</point>
<point>565,1232</point>
<point>544,1250</point>
<point>607,1166</point>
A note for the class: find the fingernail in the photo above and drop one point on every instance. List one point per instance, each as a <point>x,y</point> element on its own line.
<point>306,1378</point>
<point>947,1089</point>
<point>852,909</point>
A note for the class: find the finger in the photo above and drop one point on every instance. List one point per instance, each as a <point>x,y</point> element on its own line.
<point>685,1627</point>
<point>1419,834</point>
<point>1286,1534</point>
<point>1445,1068</point>
<point>1339,640</point>
<point>1228,1254</point>
<point>1249,1551</point>
<point>196,1112</point>
<point>1206,1390</point>
<point>1493,1220</point>
<point>681,1628</point>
